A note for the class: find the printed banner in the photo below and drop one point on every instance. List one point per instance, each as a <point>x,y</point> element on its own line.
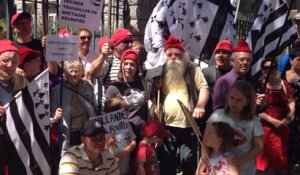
<point>61,48</point>
<point>116,123</point>
<point>81,13</point>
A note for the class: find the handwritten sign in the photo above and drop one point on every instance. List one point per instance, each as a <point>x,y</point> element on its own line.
<point>117,123</point>
<point>60,48</point>
<point>81,13</point>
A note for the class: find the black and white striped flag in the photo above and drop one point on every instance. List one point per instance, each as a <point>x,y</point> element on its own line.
<point>200,24</point>
<point>27,125</point>
<point>266,31</point>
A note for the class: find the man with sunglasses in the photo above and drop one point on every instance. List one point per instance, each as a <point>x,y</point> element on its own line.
<point>121,41</point>
<point>86,56</point>
<point>21,23</point>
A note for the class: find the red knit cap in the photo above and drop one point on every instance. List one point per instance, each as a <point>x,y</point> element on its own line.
<point>64,32</point>
<point>17,16</point>
<point>103,40</point>
<point>242,46</point>
<point>27,54</point>
<point>224,45</point>
<point>131,55</point>
<point>173,42</point>
<point>7,45</point>
<point>120,35</point>
<point>155,128</point>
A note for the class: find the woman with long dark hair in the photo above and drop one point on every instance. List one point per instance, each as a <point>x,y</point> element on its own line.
<point>275,119</point>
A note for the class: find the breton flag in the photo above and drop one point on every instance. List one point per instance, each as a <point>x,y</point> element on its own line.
<point>200,24</point>
<point>27,125</point>
<point>266,31</point>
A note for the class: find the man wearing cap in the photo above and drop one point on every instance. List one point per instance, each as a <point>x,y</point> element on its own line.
<point>223,52</point>
<point>93,72</point>
<point>222,65</point>
<point>184,81</point>
<point>90,157</point>
<point>121,41</point>
<point>105,50</point>
<point>21,23</point>
<point>241,59</point>
<point>10,84</point>
<point>29,62</point>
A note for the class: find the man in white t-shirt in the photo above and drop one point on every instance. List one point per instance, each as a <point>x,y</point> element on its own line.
<point>86,55</point>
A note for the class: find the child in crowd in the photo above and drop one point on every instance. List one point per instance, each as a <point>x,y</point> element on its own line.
<point>146,159</point>
<point>239,114</point>
<point>124,157</point>
<point>114,104</point>
<point>219,138</point>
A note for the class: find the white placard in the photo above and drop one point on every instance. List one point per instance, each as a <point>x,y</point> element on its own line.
<point>61,48</point>
<point>81,13</point>
<point>117,123</point>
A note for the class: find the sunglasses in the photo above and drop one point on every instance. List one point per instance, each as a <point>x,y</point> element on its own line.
<point>85,37</point>
<point>265,68</point>
<point>127,42</point>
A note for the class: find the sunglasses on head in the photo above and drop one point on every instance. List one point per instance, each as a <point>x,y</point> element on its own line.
<point>85,37</point>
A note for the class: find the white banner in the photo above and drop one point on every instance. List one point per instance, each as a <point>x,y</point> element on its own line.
<point>81,13</point>
<point>61,48</point>
<point>116,123</point>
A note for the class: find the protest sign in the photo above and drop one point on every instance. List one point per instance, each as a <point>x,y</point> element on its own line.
<point>81,13</point>
<point>61,48</point>
<point>116,123</point>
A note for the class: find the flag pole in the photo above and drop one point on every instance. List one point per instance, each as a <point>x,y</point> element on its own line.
<point>237,11</point>
<point>44,18</point>
<point>277,46</point>
<point>60,123</point>
<point>44,32</point>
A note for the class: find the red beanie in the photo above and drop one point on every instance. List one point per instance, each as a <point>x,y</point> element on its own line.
<point>155,128</point>
<point>7,45</point>
<point>64,32</point>
<point>130,54</point>
<point>17,16</point>
<point>173,42</point>
<point>27,54</point>
<point>103,40</point>
<point>120,35</point>
<point>242,46</point>
<point>224,45</point>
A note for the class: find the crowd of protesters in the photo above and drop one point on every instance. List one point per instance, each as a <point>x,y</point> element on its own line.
<point>249,126</point>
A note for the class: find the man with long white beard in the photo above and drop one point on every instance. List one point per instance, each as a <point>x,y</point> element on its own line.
<point>184,81</point>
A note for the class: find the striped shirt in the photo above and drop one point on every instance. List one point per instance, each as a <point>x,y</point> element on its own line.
<point>110,75</point>
<point>75,161</point>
